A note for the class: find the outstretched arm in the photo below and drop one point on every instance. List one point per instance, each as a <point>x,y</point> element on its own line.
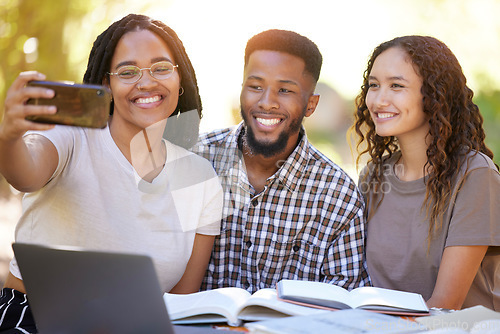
<point>457,270</point>
<point>27,164</point>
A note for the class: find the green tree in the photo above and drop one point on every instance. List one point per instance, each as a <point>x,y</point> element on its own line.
<point>53,37</point>
<point>34,35</point>
<point>489,104</point>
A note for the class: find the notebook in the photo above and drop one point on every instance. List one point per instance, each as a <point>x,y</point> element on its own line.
<point>78,291</point>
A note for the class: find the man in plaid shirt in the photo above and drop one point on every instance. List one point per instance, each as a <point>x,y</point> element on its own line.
<point>290,212</point>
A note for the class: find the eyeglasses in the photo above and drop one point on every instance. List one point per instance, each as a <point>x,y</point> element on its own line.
<point>130,74</point>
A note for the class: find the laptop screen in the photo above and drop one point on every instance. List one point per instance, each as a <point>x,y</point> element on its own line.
<point>78,291</point>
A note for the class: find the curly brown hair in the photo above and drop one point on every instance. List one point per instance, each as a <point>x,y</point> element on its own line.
<point>456,125</point>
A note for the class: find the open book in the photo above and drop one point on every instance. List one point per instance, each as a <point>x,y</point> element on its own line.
<point>475,320</point>
<point>344,321</point>
<point>230,305</point>
<point>329,296</point>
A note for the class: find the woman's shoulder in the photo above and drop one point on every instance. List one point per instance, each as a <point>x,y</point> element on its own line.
<point>477,168</point>
<point>476,160</point>
<point>58,131</point>
<point>68,137</point>
<point>188,161</point>
<point>175,152</point>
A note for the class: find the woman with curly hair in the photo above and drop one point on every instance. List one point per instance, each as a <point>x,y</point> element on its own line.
<point>431,188</point>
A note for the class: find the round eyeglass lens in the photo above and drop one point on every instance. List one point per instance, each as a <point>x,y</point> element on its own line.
<point>162,70</point>
<point>129,74</point>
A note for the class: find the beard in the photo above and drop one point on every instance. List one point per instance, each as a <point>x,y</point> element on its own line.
<point>269,148</point>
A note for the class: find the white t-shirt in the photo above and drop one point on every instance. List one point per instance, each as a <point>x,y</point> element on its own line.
<point>97,201</point>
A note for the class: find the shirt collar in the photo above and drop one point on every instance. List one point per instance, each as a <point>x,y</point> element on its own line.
<point>230,155</point>
<point>294,167</point>
<point>288,174</point>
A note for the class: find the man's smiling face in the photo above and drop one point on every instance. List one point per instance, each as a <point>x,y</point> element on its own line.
<point>275,98</point>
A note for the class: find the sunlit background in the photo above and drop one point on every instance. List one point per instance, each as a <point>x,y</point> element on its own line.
<point>55,37</point>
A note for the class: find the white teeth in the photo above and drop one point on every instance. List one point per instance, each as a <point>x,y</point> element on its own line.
<point>151,99</point>
<point>385,115</point>
<point>268,122</point>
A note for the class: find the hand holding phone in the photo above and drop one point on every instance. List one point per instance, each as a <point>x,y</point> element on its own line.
<point>77,104</point>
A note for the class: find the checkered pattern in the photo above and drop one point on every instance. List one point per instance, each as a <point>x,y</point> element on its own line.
<point>307,224</point>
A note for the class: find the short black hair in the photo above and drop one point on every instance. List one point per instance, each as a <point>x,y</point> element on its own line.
<point>289,42</point>
<point>99,64</point>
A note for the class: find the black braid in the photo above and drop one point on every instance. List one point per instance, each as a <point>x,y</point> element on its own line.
<point>182,131</point>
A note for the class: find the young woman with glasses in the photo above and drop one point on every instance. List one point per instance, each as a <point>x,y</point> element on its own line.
<point>123,188</point>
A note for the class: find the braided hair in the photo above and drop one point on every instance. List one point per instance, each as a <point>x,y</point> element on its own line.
<point>182,126</point>
<point>456,124</point>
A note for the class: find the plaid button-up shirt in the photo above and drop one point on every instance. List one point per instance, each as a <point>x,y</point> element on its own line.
<point>306,224</point>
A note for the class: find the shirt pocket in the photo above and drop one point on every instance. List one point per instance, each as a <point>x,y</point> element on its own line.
<point>297,259</point>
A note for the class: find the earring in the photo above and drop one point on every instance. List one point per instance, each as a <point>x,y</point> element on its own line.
<point>181,91</point>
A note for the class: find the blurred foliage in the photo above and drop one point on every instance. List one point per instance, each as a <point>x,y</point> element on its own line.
<point>489,105</point>
<point>21,20</point>
<point>55,37</point>
<point>59,32</point>
<point>51,36</point>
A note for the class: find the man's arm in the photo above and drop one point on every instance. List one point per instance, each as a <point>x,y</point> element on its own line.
<point>345,263</point>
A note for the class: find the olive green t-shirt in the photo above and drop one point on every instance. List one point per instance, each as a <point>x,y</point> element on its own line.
<point>397,250</point>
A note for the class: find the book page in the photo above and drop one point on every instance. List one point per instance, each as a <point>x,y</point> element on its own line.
<point>371,298</point>
<point>264,304</point>
<point>224,302</point>
<point>481,327</point>
<point>344,321</point>
<point>317,293</point>
<point>464,319</point>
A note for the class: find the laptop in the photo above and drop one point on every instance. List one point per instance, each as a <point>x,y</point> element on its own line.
<point>77,291</point>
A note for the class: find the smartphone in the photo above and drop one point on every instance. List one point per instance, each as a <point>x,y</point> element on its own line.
<point>77,104</point>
